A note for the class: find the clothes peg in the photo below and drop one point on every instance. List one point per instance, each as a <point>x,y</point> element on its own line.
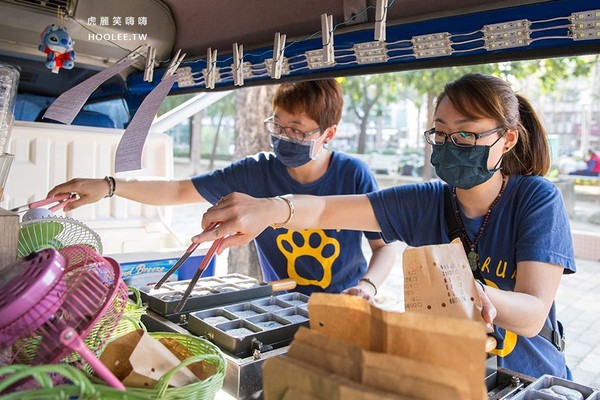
<point>210,76</point>
<point>150,59</point>
<point>278,49</point>
<point>175,61</point>
<point>327,34</point>
<point>238,68</point>
<point>380,17</point>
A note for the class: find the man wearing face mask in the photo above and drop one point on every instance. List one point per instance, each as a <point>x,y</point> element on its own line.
<point>304,119</point>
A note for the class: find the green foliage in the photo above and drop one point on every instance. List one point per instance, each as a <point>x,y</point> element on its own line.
<point>173,101</point>
<point>367,96</point>
<point>225,107</point>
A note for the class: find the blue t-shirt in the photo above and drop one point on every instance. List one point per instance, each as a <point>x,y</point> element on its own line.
<point>318,260</point>
<point>529,223</point>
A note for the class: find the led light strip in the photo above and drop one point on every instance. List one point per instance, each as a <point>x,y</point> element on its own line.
<point>583,25</point>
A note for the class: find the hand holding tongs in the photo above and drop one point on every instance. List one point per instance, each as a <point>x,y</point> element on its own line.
<point>205,261</point>
<point>62,199</point>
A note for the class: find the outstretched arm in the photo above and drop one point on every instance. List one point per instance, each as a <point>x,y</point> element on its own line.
<point>524,311</point>
<point>153,192</point>
<point>245,217</point>
<point>381,263</point>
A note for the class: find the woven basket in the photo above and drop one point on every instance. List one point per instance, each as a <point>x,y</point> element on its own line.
<point>82,388</point>
<point>126,324</point>
<point>204,351</point>
<point>135,309</point>
<point>132,316</point>
<point>79,387</point>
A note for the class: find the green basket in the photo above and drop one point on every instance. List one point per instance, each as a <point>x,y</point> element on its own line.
<point>81,387</point>
<point>203,350</point>
<point>132,316</point>
<point>135,309</point>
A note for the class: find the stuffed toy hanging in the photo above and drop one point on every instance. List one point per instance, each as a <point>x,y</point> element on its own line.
<point>58,46</point>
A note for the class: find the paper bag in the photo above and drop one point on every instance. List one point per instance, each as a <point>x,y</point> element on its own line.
<point>438,280</point>
<point>287,378</point>
<point>347,318</point>
<point>412,378</point>
<point>330,354</point>
<point>139,360</point>
<point>380,371</point>
<point>455,344</point>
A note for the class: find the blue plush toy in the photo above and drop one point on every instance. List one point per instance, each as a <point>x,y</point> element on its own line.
<point>58,46</point>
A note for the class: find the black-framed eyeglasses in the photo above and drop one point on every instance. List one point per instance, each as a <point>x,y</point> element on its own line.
<point>460,138</point>
<point>287,132</point>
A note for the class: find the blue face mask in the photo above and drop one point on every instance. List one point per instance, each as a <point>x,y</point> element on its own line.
<point>292,154</point>
<point>462,167</point>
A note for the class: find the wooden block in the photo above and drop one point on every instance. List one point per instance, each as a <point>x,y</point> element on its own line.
<point>9,235</point>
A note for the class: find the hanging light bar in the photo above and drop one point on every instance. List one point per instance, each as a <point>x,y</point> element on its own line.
<point>432,45</point>
<point>585,25</point>
<point>370,52</point>
<point>506,35</point>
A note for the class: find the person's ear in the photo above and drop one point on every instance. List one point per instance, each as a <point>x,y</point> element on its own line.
<point>330,133</point>
<point>511,138</point>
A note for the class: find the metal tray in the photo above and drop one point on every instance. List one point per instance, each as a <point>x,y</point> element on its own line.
<point>546,381</point>
<point>239,328</point>
<point>208,292</point>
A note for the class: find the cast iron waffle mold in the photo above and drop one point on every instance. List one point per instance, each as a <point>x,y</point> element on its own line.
<point>260,324</point>
<point>209,292</point>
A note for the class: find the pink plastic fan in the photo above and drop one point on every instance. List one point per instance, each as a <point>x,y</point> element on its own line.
<point>90,310</point>
<point>31,289</point>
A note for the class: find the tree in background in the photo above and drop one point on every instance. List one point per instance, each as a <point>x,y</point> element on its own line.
<point>364,93</point>
<point>252,105</point>
<point>226,107</point>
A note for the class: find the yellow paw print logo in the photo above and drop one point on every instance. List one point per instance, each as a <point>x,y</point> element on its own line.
<point>301,247</point>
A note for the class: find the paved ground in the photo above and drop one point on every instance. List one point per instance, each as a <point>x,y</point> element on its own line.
<point>578,306</point>
<point>578,298</point>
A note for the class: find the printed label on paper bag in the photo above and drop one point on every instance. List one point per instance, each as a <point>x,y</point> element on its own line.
<point>438,280</point>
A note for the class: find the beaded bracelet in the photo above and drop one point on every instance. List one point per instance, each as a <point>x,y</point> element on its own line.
<point>112,185</point>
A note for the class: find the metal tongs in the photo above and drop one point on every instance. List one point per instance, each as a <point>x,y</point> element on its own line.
<point>62,199</point>
<point>205,261</point>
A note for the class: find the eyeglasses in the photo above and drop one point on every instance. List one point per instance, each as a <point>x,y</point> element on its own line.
<point>460,138</point>
<point>287,132</point>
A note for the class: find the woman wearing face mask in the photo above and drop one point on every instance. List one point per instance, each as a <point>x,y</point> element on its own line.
<point>491,150</point>
<point>305,117</point>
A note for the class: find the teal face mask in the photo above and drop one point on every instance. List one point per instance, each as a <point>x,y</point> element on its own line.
<point>462,167</point>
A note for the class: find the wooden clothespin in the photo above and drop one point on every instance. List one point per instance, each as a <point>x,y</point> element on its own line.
<point>278,49</point>
<point>210,74</point>
<point>150,59</point>
<point>380,18</point>
<point>327,34</point>
<point>175,61</point>
<point>238,67</point>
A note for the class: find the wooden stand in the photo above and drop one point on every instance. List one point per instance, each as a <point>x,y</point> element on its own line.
<point>9,235</point>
